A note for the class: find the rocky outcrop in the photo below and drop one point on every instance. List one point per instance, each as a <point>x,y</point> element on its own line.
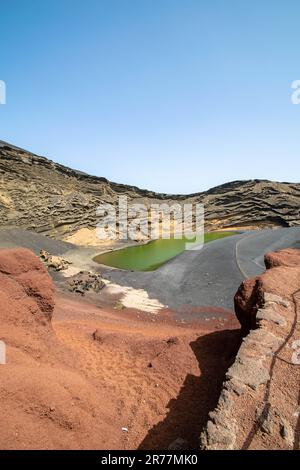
<point>26,303</point>
<point>22,274</point>
<point>47,401</point>
<point>53,261</point>
<point>84,282</point>
<point>40,195</point>
<point>287,257</point>
<point>251,295</point>
<point>258,406</point>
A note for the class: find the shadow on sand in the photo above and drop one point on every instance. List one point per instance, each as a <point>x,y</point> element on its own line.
<point>199,394</point>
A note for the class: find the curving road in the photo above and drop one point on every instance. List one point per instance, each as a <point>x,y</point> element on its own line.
<point>211,276</point>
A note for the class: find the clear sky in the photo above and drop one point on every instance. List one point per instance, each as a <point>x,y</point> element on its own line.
<point>170,95</point>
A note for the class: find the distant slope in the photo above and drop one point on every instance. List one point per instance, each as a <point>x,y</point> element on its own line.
<point>40,195</point>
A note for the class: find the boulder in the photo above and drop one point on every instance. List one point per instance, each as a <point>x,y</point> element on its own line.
<point>84,282</point>
<point>288,257</point>
<point>54,262</point>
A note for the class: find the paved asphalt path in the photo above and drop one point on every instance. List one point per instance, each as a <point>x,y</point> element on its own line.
<point>209,277</point>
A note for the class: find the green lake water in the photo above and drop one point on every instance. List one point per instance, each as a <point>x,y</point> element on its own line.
<point>152,255</point>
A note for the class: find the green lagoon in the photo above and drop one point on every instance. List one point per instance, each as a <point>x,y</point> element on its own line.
<point>150,256</point>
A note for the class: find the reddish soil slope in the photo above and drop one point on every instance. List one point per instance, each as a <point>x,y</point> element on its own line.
<point>66,387</point>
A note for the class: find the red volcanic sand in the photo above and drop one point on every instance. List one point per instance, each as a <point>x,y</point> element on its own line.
<point>65,387</point>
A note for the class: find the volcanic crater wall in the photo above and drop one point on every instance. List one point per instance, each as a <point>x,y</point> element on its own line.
<point>40,195</point>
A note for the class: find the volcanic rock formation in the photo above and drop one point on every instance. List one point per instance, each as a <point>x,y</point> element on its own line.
<point>259,402</point>
<point>43,196</point>
<point>283,278</point>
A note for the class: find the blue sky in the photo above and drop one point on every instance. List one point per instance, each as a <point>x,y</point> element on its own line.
<point>171,95</point>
